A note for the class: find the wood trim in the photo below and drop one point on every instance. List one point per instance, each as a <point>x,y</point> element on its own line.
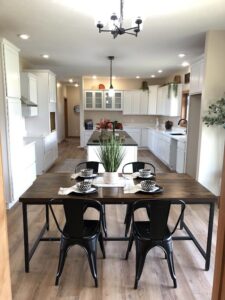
<point>219,272</point>
<point>5,281</point>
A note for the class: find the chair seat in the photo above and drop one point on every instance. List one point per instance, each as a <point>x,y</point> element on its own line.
<point>143,230</point>
<point>90,229</point>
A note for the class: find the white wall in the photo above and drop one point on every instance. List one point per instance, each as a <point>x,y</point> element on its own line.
<point>212,138</point>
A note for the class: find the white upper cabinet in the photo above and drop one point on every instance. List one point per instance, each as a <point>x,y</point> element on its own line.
<point>196,77</point>
<point>152,100</point>
<point>100,100</point>
<point>169,100</point>
<point>29,89</point>
<point>135,102</point>
<point>52,87</point>
<point>12,70</point>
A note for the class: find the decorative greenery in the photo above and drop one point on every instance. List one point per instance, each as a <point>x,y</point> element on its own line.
<point>216,114</point>
<point>173,86</point>
<point>111,153</point>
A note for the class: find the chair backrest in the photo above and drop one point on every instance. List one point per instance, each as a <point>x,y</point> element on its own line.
<point>158,214</point>
<point>88,165</point>
<point>137,165</point>
<point>74,213</point>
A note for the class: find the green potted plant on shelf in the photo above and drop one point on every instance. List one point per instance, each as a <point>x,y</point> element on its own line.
<point>111,154</point>
<point>216,114</point>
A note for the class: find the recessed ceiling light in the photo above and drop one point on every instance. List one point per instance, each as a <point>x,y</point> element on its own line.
<point>181,55</point>
<point>160,71</point>
<point>152,76</point>
<point>46,56</point>
<point>94,76</point>
<point>185,64</point>
<point>71,80</point>
<point>137,77</point>
<point>23,36</point>
<point>76,84</point>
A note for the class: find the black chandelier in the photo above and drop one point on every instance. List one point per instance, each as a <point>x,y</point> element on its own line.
<point>117,25</point>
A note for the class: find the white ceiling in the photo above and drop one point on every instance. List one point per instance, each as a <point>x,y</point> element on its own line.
<point>65,29</point>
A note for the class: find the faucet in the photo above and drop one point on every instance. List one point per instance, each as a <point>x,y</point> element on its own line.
<point>182,120</point>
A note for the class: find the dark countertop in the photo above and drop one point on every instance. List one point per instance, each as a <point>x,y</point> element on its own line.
<point>126,138</point>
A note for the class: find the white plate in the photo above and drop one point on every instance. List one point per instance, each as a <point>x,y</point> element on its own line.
<point>145,177</point>
<point>92,190</point>
<point>92,176</point>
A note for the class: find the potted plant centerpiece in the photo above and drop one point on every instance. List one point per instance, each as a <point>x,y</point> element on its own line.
<point>111,154</point>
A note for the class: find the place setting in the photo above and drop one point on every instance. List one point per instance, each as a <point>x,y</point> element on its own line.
<point>84,174</point>
<point>145,186</point>
<point>143,174</point>
<point>82,187</point>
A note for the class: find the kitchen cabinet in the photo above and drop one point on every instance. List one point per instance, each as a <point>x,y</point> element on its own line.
<point>196,77</point>
<point>181,157</point>
<point>100,100</point>
<point>17,157</point>
<point>135,134</point>
<point>12,70</point>
<point>135,102</point>
<point>87,135</point>
<point>144,137</point>
<point>169,100</point>
<point>44,122</point>
<point>29,87</point>
<point>52,87</point>
<point>152,99</point>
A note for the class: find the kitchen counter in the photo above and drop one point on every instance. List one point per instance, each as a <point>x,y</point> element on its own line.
<point>126,139</point>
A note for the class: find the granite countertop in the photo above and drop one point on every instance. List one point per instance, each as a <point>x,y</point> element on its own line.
<point>126,138</point>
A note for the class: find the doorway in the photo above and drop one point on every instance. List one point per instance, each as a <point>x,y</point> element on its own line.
<point>66,117</point>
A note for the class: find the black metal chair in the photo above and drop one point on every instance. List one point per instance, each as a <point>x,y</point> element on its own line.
<point>152,233</point>
<point>79,231</point>
<point>136,166</point>
<point>95,166</point>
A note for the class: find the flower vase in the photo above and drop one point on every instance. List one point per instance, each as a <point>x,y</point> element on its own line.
<point>110,177</point>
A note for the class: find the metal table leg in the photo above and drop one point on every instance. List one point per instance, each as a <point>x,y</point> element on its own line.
<point>25,237</point>
<point>209,238</point>
<point>47,216</point>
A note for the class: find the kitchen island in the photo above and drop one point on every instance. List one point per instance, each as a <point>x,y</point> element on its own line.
<point>130,148</point>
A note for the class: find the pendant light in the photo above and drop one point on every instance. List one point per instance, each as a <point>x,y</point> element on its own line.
<point>111,89</point>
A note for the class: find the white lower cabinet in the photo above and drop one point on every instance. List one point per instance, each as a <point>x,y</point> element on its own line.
<point>87,135</point>
<point>144,137</point>
<point>135,134</point>
<point>46,151</point>
<point>181,157</point>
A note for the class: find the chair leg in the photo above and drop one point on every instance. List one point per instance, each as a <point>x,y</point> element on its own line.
<point>128,219</point>
<point>62,258</point>
<point>169,254</point>
<point>100,239</point>
<point>91,251</point>
<point>141,252</point>
<point>104,226</point>
<point>129,246</point>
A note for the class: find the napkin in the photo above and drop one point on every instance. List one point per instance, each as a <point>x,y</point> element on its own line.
<point>66,191</point>
<point>132,189</point>
<point>75,175</point>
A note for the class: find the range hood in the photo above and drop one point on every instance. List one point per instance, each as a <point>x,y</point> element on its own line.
<point>27,102</point>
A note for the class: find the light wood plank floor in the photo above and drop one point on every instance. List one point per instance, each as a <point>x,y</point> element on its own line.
<point>116,275</point>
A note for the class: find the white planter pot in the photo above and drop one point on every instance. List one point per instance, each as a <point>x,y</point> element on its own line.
<point>110,177</point>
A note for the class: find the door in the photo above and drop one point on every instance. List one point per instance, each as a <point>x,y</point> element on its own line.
<point>66,117</point>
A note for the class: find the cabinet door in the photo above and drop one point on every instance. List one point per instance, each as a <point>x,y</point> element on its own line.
<point>161,100</point>
<point>135,134</point>
<point>152,100</point>
<point>136,102</point>
<point>89,99</point>
<point>118,100</point>
<point>144,137</point>
<point>52,88</point>
<point>127,103</point>
<point>12,71</point>
<point>143,104</point>
<point>33,88</point>
<point>196,78</point>
<point>98,100</point>
<point>108,101</point>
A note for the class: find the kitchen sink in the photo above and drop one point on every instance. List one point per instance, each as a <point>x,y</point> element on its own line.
<point>177,133</point>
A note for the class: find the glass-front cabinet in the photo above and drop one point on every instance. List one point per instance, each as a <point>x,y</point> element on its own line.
<point>100,100</point>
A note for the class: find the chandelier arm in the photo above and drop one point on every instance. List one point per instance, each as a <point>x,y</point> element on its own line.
<point>131,33</point>
<point>105,30</point>
<point>121,13</point>
<point>132,28</point>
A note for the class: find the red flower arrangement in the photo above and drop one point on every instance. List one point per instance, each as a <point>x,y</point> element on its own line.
<point>107,124</point>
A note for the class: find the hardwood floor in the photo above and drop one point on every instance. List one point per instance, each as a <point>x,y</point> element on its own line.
<point>116,275</point>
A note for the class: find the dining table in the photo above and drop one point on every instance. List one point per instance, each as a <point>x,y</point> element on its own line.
<point>174,186</point>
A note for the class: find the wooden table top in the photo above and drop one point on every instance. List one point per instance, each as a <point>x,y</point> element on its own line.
<point>176,187</point>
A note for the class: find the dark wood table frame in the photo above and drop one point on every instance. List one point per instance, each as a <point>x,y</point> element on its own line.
<point>176,187</point>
